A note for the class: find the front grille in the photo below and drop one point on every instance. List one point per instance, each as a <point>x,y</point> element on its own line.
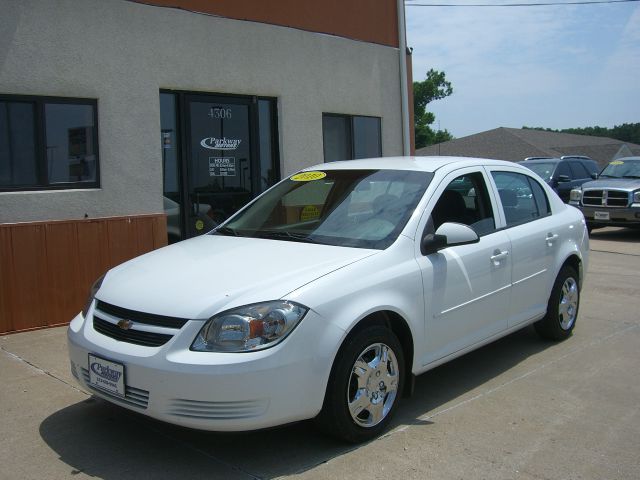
<point>592,197</point>
<point>141,317</point>
<point>137,337</point>
<point>106,318</point>
<point>218,410</point>
<point>605,198</point>
<point>135,397</point>
<point>617,199</point>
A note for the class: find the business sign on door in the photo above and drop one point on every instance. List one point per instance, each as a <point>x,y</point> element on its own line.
<point>222,166</point>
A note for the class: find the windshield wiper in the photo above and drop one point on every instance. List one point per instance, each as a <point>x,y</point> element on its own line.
<point>631,176</point>
<point>226,231</point>
<point>284,235</point>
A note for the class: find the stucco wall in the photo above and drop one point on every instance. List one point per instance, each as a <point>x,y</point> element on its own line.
<point>123,53</point>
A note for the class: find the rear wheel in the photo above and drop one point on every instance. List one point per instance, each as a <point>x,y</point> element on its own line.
<point>364,387</point>
<point>562,309</point>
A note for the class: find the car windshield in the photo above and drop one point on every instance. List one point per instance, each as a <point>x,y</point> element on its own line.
<point>622,169</point>
<point>353,208</point>
<point>545,170</point>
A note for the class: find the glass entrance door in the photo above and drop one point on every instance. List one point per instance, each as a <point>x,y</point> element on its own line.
<point>218,152</point>
<point>220,160</point>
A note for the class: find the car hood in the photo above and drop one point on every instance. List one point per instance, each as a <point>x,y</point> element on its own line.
<point>628,184</point>
<point>199,277</point>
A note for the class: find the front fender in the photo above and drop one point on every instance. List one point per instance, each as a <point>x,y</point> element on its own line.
<point>390,281</point>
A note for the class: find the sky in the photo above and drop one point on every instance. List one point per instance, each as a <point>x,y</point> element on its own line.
<point>546,66</point>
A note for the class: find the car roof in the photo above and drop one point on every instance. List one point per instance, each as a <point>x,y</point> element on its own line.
<point>577,157</point>
<point>540,160</point>
<point>626,159</point>
<point>425,164</point>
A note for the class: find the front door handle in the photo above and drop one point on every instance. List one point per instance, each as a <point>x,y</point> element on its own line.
<point>498,256</point>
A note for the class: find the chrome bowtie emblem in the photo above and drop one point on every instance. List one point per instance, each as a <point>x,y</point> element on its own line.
<point>125,324</point>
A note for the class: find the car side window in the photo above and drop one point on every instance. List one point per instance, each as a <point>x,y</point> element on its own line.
<point>465,200</point>
<point>540,197</point>
<point>563,169</point>
<point>519,201</point>
<point>579,170</point>
<point>592,167</point>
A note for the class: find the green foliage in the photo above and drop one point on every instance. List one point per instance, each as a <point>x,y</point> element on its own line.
<point>627,132</point>
<point>434,87</point>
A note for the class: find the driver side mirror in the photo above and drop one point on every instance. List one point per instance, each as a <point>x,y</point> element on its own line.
<point>594,175</point>
<point>449,234</point>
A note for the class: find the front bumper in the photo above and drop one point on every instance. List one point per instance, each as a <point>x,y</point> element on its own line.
<point>215,391</point>
<point>618,217</point>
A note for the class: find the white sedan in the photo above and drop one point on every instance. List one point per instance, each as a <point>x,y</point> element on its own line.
<point>326,295</point>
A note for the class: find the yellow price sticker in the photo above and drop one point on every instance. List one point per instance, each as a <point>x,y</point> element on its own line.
<point>199,225</point>
<point>616,162</point>
<point>308,176</point>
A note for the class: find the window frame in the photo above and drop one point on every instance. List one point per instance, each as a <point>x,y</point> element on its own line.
<point>350,134</point>
<point>39,103</point>
<point>478,179</point>
<point>529,180</point>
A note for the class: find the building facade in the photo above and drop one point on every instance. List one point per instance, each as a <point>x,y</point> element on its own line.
<point>124,125</point>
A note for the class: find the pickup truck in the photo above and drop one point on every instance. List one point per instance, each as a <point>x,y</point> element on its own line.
<point>613,199</point>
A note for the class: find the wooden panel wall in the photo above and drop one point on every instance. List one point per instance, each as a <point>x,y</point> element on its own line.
<point>47,268</point>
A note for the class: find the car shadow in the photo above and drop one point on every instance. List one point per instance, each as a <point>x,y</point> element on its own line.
<point>99,439</point>
<point>616,234</point>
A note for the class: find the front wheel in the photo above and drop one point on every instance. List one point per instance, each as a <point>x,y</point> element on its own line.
<point>364,386</point>
<point>562,309</point>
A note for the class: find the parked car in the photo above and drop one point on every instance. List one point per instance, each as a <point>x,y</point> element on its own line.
<point>614,198</point>
<point>326,295</point>
<point>565,173</point>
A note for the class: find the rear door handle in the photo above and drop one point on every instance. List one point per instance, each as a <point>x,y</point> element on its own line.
<point>498,256</point>
<point>551,237</point>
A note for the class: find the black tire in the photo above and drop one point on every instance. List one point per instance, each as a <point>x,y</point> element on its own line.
<point>562,309</point>
<point>336,418</point>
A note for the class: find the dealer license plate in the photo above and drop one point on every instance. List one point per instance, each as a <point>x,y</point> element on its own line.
<point>601,215</point>
<point>106,375</point>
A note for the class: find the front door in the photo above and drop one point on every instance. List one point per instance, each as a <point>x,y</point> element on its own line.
<point>221,160</point>
<point>466,287</point>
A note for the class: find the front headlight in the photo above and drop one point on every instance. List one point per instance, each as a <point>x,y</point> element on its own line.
<point>636,196</point>
<point>249,328</point>
<point>575,195</point>
<point>92,293</point>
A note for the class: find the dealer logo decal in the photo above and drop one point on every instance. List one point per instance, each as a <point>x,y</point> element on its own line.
<point>213,143</point>
<point>105,372</point>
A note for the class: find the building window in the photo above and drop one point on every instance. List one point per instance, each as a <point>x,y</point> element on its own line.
<point>348,137</point>
<point>48,143</point>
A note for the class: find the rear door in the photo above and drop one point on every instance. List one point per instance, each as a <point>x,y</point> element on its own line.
<point>534,238</point>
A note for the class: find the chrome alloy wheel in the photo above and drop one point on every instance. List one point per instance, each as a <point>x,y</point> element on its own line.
<point>568,306</point>
<point>373,385</point>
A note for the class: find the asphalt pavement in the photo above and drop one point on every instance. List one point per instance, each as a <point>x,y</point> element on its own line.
<point>518,408</point>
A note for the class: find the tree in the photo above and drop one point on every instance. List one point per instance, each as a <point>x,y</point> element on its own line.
<point>434,87</point>
<point>627,132</point>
